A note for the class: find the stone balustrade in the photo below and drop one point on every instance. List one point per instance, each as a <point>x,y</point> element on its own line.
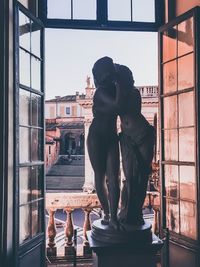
<point>87,202</point>
<point>69,202</point>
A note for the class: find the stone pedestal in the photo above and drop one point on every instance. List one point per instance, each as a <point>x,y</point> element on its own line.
<point>133,253</point>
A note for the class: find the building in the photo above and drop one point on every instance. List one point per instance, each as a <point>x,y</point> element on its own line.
<point>22,224</point>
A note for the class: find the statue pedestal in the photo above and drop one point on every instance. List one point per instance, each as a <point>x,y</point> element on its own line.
<point>132,252</point>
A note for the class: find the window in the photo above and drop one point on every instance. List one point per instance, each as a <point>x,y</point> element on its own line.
<point>144,15</point>
<point>30,128</point>
<point>67,110</point>
<point>179,129</point>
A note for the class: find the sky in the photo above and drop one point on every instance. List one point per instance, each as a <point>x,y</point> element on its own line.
<point>71,54</point>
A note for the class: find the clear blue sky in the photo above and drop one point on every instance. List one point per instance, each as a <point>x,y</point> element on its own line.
<point>70,55</point>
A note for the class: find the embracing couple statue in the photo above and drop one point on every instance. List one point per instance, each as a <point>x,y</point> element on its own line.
<point>115,96</point>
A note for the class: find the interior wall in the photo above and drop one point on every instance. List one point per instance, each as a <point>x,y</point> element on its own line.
<point>183,6</point>
<point>175,8</point>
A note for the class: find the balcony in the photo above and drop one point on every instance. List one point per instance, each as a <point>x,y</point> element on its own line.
<point>62,245</point>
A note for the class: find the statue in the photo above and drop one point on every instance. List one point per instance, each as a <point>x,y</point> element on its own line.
<point>137,140</point>
<point>102,142</point>
<point>116,96</point>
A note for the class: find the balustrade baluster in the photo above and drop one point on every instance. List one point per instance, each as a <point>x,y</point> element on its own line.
<point>86,227</point>
<point>70,251</point>
<point>51,232</point>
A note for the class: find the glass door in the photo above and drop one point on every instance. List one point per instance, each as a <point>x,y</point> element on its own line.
<point>179,135</point>
<point>29,118</point>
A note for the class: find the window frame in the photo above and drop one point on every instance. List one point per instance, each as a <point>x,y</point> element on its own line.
<point>102,22</point>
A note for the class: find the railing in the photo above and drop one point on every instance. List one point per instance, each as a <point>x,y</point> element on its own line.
<point>87,202</point>
<point>69,202</point>
<point>148,91</point>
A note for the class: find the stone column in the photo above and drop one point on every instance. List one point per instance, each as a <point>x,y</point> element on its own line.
<point>87,103</point>
<point>89,173</point>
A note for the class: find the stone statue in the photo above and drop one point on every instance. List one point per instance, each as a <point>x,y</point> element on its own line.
<point>116,95</point>
<point>102,142</point>
<point>137,140</point>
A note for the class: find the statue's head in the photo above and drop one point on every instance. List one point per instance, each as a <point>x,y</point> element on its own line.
<point>125,75</point>
<point>104,72</point>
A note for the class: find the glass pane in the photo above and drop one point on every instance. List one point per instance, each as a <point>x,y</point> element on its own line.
<point>36,182</point>
<point>24,144</point>
<point>170,77</point>
<point>59,10</point>
<point>24,223</point>
<point>188,219</point>
<point>186,109</point>
<point>171,181</point>
<point>24,3</point>
<point>187,182</point>
<point>169,44</point>
<point>35,73</point>
<point>24,31</point>
<point>24,68</point>
<point>171,144</point>
<point>24,185</point>
<point>84,9</point>
<point>36,148</point>
<point>119,10</point>
<point>36,102</point>
<point>35,39</point>
<point>186,145</point>
<point>170,112</point>
<point>185,72</point>
<point>144,10</point>
<point>24,105</point>
<point>172,215</point>
<point>185,37</point>
<point>36,218</point>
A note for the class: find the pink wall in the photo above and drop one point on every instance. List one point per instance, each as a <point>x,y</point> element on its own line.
<point>183,6</point>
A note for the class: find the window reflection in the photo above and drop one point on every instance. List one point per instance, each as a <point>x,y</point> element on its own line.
<point>36,218</point>
<point>36,147</point>
<point>185,72</point>
<point>24,144</point>
<point>35,39</point>
<point>187,183</point>
<point>170,77</point>
<point>188,219</point>
<point>24,105</point>
<point>171,144</point>
<point>35,73</point>
<point>36,104</point>
<point>24,68</point>
<point>24,31</point>
<point>186,109</point>
<point>84,9</point>
<point>36,182</point>
<point>171,181</point>
<point>119,10</point>
<point>170,112</point>
<point>24,185</point>
<point>185,37</point>
<point>169,44</point>
<point>186,144</point>
<point>172,215</point>
<point>24,223</point>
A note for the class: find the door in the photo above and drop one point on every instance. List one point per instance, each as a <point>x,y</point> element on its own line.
<point>29,139</point>
<point>179,83</point>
